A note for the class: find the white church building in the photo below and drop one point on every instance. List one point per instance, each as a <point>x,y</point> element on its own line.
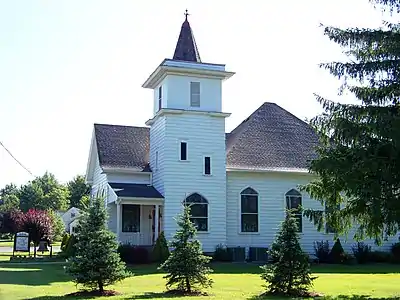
<point>239,183</point>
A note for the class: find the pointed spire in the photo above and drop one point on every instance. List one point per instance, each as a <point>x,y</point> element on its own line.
<point>186,48</point>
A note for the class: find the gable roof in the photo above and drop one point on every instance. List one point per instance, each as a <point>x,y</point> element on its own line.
<point>123,146</point>
<point>271,138</point>
<point>135,190</point>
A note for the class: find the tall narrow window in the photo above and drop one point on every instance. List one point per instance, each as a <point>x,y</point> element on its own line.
<point>195,94</point>
<point>249,210</point>
<point>183,154</point>
<point>328,210</point>
<point>160,97</point>
<point>207,165</point>
<point>156,163</point>
<point>294,202</point>
<point>130,218</point>
<point>198,210</point>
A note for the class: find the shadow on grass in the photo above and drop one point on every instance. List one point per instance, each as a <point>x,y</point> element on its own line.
<point>147,295</point>
<point>340,297</point>
<point>32,274</point>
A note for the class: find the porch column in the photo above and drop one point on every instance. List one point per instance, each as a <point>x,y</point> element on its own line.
<point>156,221</point>
<point>118,220</point>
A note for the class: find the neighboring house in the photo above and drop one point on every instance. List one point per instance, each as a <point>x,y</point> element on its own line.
<point>71,218</point>
<point>239,183</point>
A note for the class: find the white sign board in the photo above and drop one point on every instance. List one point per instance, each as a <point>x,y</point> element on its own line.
<point>21,241</point>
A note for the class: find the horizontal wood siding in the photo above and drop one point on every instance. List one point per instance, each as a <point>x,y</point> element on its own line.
<point>139,178</point>
<point>205,136</point>
<point>157,144</point>
<point>272,188</point>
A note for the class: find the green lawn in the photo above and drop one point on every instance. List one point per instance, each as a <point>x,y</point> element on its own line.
<point>232,281</point>
<point>10,243</point>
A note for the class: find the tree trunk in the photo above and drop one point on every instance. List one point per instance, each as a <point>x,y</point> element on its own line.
<point>188,288</point>
<point>101,286</point>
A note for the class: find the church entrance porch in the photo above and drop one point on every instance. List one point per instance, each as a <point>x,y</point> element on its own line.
<point>138,223</point>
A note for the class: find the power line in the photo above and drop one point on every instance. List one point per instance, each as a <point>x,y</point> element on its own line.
<point>9,152</point>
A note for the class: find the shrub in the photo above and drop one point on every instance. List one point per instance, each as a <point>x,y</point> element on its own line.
<point>222,253</point>
<point>362,252</point>
<point>380,257</point>
<point>64,241</point>
<point>290,274</point>
<point>321,249</point>
<point>70,247</point>
<point>337,255</point>
<point>132,254</point>
<point>160,251</point>
<point>396,252</point>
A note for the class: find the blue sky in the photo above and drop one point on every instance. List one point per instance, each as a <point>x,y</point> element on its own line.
<point>65,65</point>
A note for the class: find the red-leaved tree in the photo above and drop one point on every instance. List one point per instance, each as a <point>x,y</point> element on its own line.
<point>37,223</point>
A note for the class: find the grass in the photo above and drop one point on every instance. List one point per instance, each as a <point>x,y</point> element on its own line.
<point>10,243</point>
<point>232,281</point>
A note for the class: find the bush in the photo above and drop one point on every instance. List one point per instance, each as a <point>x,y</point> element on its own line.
<point>321,249</point>
<point>222,254</point>
<point>70,247</point>
<point>160,251</point>
<point>64,241</point>
<point>396,252</point>
<point>337,254</point>
<point>380,257</point>
<point>362,252</point>
<point>132,254</point>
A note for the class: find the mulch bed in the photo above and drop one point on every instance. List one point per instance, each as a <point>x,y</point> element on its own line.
<point>105,293</point>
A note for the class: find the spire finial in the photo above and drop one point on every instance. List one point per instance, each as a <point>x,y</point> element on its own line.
<point>186,14</point>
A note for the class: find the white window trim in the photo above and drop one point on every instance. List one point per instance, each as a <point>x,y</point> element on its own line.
<point>204,165</point>
<point>190,93</point>
<point>240,212</point>
<point>285,208</point>
<point>187,150</point>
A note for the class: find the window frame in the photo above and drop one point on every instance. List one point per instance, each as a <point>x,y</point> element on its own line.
<point>160,92</point>
<point>256,193</point>
<point>123,218</point>
<point>193,94</point>
<point>180,150</point>
<point>185,202</point>
<point>204,165</point>
<point>296,194</point>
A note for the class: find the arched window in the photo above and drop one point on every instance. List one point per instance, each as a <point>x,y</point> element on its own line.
<point>199,211</point>
<point>294,202</point>
<point>249,210</point>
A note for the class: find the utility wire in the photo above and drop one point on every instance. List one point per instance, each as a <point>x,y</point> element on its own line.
<point>9,152</point>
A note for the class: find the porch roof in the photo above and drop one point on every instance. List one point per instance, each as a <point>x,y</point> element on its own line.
<point>134,190</point>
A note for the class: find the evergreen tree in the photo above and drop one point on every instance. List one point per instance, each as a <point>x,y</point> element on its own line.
<point>160,251</point>
<point>96,262</point>
<point>187,265</point>
<point>358,162</point>
<point>289,273</point>
<point>79,192</point>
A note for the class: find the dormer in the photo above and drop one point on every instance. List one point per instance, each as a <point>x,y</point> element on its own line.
<point>185,82</point>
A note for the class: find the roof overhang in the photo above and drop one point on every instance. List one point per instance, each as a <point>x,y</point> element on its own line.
<point>183,68</point>
<point>141,201</point>
<point>108,169</point>
<point>171,111</point>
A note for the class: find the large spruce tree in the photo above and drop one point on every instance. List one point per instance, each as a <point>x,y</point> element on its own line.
<point>187,265</point>
<point>358,163</point>
<point>96,262</point>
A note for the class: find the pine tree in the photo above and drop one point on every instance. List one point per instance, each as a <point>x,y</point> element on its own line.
<point>187,265</point>
<point>96,262</point>
<point>358,163</point>
<point>160,251</point>
<point>289,273</point>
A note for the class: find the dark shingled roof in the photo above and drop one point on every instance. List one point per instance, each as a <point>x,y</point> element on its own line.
<point>186,48</point>
<point>135,190</point>
<point>271,138</point>
<point>123,146</point>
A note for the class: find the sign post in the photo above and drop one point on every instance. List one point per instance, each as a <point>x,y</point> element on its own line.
<point>22,243</point>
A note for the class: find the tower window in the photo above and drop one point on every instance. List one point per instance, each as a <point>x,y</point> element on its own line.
<point>207,165</point>
<point>183,155</point>
<point>195,94</point>
<point>156,160</point>
<point>159,97</point>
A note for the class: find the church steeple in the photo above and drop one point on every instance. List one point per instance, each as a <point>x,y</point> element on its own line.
<point>186,48</point>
